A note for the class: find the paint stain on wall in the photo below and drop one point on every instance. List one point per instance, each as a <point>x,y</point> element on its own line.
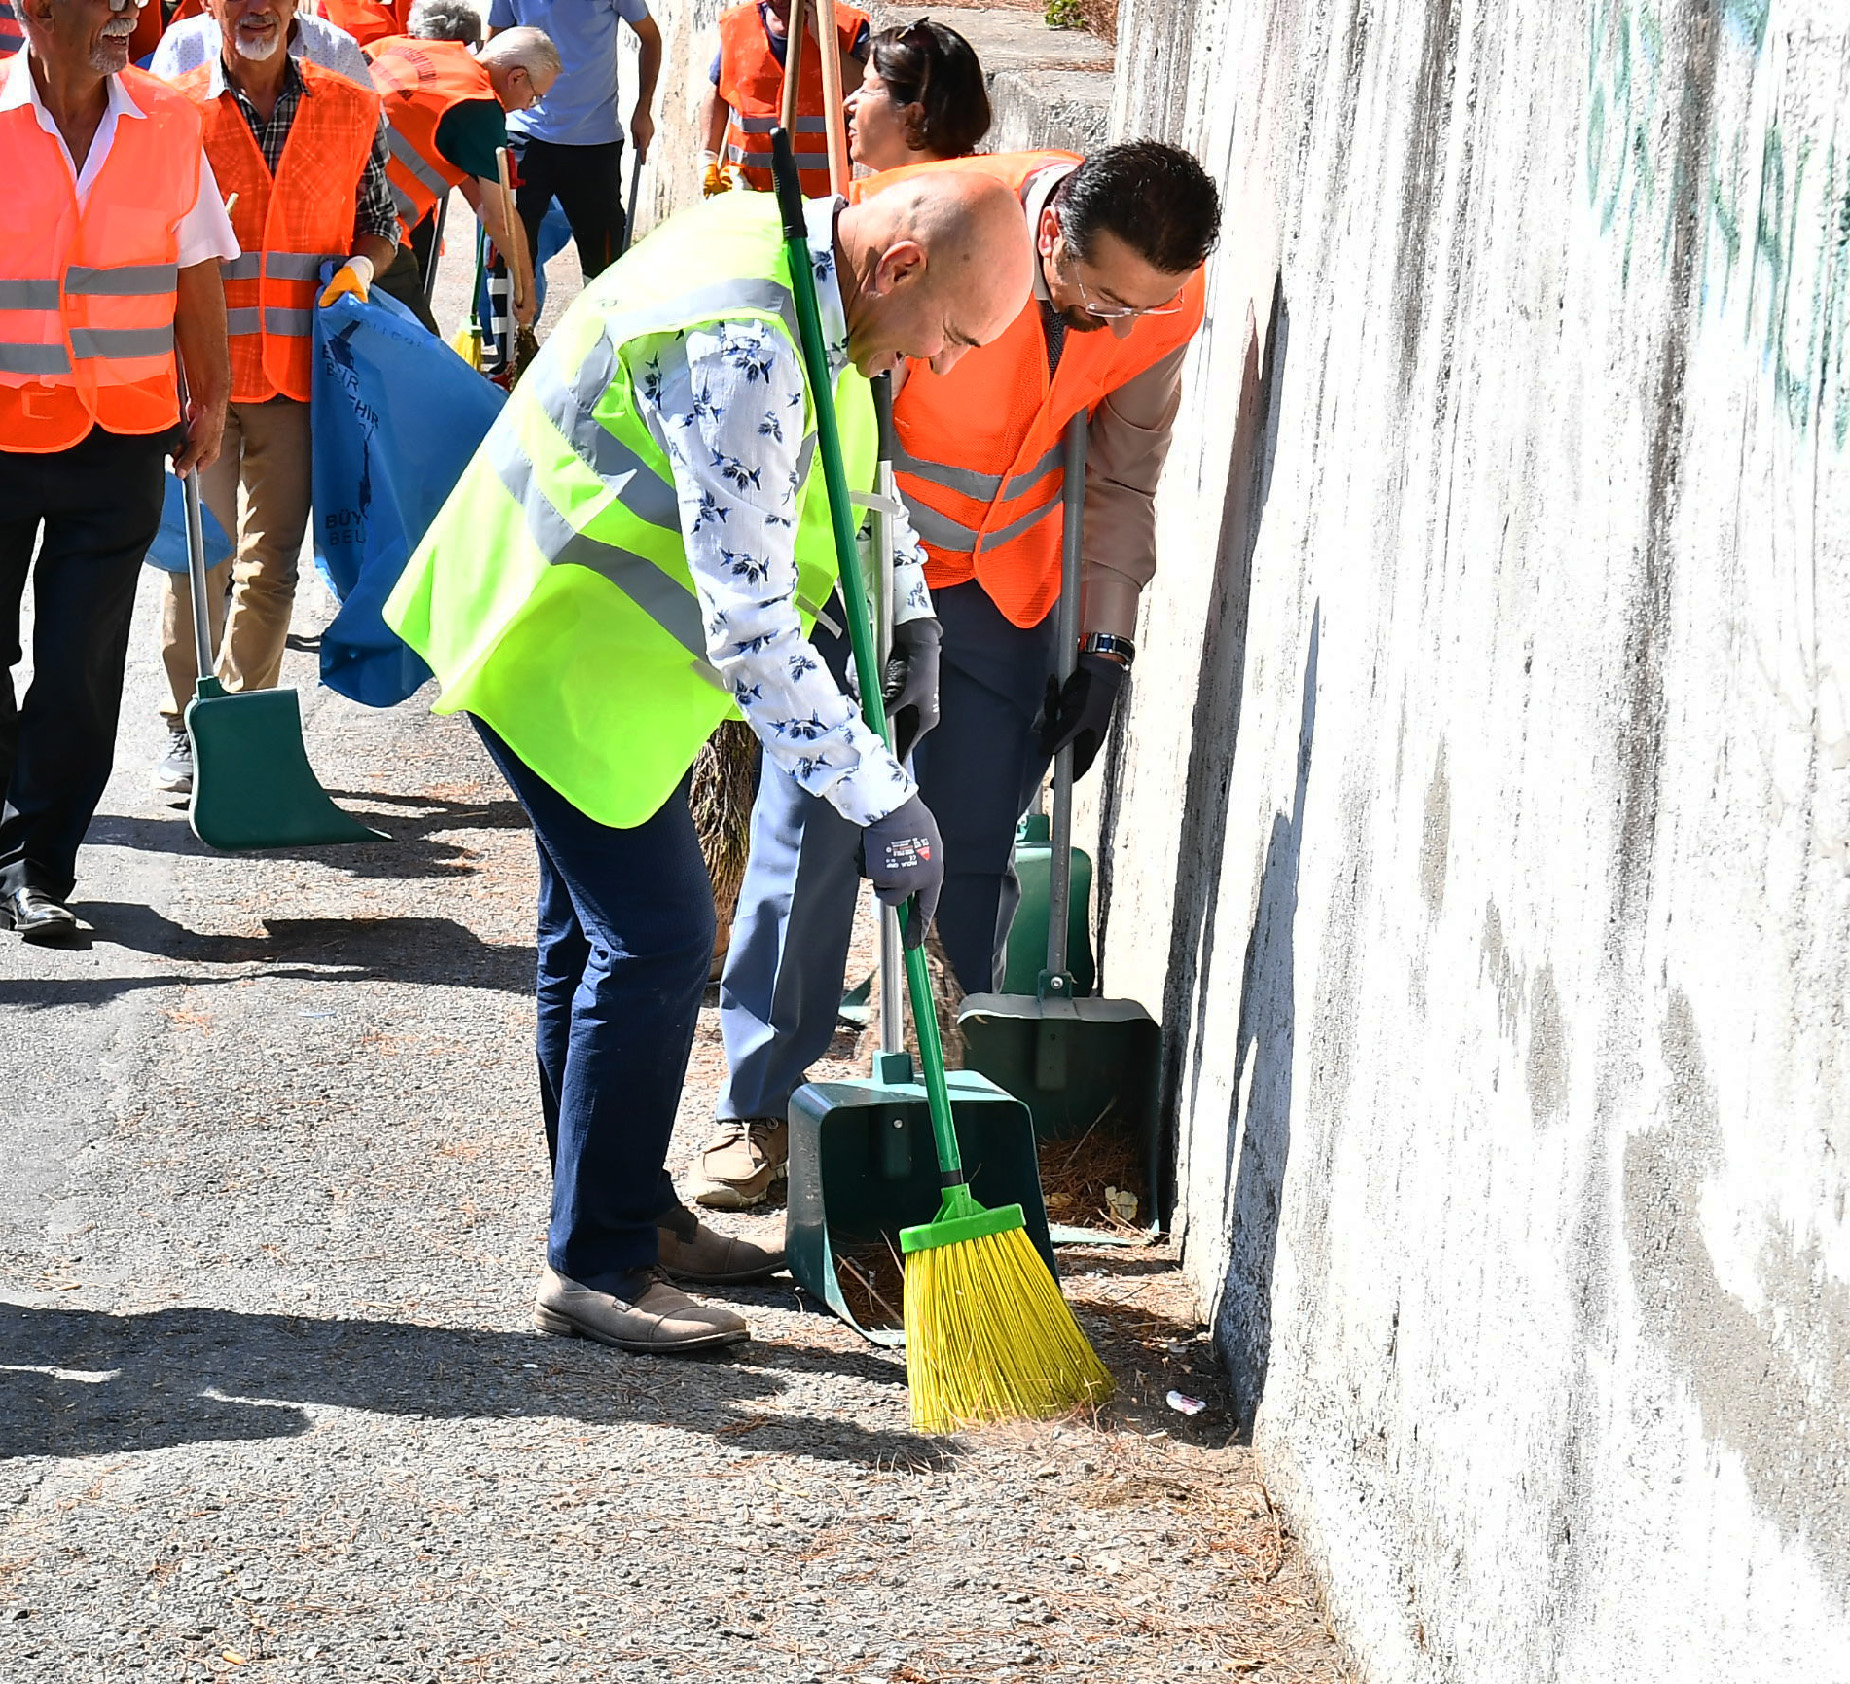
<point>1547,1063</point>
<point>1768,1380</point>
<point>1436,837</point>
<point>1770,208</point>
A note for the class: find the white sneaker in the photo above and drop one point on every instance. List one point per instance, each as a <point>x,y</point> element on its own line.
<point>173,772</point>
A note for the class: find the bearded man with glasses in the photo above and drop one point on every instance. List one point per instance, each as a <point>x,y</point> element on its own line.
<point>1121,237</point>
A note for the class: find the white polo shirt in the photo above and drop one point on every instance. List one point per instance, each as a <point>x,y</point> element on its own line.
<point>204,232</point>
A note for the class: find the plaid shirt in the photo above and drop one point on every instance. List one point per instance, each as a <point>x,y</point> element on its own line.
<point>374,212</point>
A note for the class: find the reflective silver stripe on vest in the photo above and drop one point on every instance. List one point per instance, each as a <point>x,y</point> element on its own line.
<point>807,158</point>
<point>401,202</point>
<point>413,160</point>
<point>285,324</point>
<point>131,280</point>
<point>33,359</point>
<point>246,266</point>
<point>292,265</point>
<point>983,487</point>
<point>764,125</point>
<point>669,603</point>
<point>121,341</point>
<point>639,487</point>
<point>947,534</point>
<point>28,295</point>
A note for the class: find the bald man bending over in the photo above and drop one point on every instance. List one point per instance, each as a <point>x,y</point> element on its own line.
<point>638,551</point>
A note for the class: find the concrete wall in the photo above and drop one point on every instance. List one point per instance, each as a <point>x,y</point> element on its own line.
<point>1482,827</point>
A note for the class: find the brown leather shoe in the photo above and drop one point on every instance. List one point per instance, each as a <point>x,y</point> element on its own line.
<point>742,1160</point>
<point>695,1254</point>
<point>659,1322</point>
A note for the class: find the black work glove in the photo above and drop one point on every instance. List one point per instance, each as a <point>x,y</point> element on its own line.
<point>910,685</point>
<point>902,855</point>
<point>1079,712</point>
<point>911,682</point>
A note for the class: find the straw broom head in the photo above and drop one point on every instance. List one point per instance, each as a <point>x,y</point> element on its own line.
<point>988,1335</point>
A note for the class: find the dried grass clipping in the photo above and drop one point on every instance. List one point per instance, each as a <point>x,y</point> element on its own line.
<point>1078,1175</point>
<point>724,786</point>
<point>873,1281</point>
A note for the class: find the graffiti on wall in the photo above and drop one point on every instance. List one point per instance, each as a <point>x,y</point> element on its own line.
<point>1773,212</point>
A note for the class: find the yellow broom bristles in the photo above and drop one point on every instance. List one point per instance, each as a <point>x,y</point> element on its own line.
<point>989,1338</point>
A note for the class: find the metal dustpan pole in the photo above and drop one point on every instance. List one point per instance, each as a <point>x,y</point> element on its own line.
<point>1056,983</point>
<point>892,968</point>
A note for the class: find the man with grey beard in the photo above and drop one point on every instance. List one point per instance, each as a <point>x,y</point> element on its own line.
<point>111,232</point>
<point>297,149</point>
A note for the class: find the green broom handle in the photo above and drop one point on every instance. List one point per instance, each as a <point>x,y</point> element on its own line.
<point>860,618</point>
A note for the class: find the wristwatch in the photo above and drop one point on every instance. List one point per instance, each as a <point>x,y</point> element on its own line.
<point>1110,645</point>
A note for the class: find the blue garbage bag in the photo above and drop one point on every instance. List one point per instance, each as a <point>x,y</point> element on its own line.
<point>169,551</point>
<point>396,417</point>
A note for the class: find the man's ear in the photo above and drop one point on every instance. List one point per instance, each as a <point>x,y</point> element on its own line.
<point>900,264</point>
<point>1048,231</point>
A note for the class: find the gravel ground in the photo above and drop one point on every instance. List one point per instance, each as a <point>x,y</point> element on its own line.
<point>269,1402</point>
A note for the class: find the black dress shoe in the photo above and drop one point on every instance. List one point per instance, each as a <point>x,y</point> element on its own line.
<point>38,918</point>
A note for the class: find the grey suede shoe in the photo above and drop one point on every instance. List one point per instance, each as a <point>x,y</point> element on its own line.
<point>659,1322</point>
<point>695,1254</point>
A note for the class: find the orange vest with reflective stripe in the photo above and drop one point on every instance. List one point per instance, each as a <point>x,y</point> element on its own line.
<point>87,294</point>
<point>418,82</point>
<point>979,448</point>
<point>368,20</point>
<point>287,225</point>
<point>751,82</point>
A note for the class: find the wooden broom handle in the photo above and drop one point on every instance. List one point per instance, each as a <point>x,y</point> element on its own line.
<point>519,265</point>
<point>840,170</point>
<point>793,69</point>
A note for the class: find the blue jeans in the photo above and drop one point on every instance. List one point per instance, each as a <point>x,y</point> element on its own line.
<point>977,772</point>
<point>625,942</point>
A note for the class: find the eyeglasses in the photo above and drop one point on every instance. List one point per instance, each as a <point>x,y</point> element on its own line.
<point>1108,312</point>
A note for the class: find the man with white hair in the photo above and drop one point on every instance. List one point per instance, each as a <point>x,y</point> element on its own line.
<point>296,151</point>
<point>571,147</point>
<point>446,106</point>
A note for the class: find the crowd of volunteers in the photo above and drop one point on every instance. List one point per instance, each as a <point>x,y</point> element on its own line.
<point>640,548</point>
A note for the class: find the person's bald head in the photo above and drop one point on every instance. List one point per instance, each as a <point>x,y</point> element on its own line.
<point>932,267</point>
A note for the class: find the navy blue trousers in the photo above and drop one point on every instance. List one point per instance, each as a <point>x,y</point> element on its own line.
<point>977,772</point>
<point>625,942</point>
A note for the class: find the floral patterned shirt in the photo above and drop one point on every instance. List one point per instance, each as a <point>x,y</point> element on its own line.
<point>725,401</point>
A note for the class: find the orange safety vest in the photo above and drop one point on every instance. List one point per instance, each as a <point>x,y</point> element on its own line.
<point>418,82</point>
<point>285,225</point>
<point>751,82</point>
<point>368,20</point>
<point>87,294</point>
<point>979,448</point>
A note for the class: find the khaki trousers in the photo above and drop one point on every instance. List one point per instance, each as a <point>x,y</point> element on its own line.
<point>258,490</point>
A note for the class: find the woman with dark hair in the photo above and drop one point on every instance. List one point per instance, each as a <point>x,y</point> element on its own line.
<point>921,100</point>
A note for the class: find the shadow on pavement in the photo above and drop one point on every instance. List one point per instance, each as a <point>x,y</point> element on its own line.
<point>81,1383</point>
<point>412,950</point>
<point>411,821</point>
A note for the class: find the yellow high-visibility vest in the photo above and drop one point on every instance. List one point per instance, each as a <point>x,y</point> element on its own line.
<point>551,596</point>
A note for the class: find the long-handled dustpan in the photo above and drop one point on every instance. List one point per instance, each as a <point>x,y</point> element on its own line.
<point>1079,1064</point>
<point>862,1165</point>
<point>865,1164</point>
<point>252,784</point>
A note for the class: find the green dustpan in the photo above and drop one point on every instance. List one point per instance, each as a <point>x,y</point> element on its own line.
<point>252,784</point>
<point>862,1163</point>
<point>1077,1063</point>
